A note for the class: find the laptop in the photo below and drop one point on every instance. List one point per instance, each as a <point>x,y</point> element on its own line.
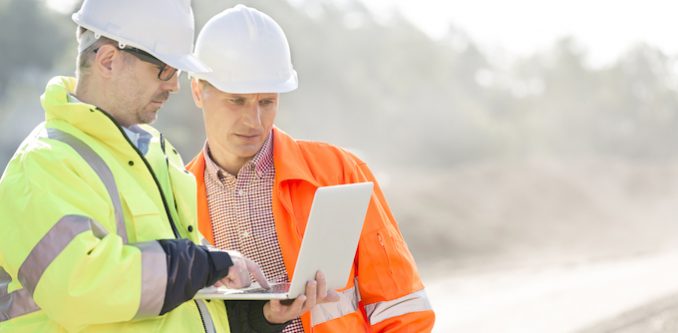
<point>329,245</point>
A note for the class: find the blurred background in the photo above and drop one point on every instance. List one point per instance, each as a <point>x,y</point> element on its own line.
<point>528,149</point>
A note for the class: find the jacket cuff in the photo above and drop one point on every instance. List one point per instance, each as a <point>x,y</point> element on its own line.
<point>190,267</point>
<point>220,263</point>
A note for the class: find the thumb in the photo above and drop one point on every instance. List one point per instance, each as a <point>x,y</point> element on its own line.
<point>275,305</point>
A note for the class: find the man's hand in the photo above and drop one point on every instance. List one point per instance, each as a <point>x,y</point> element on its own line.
<point>316,293</point>
<point>239,274</point>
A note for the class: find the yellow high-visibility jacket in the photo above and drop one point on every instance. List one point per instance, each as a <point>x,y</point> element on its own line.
<point>80,212</point>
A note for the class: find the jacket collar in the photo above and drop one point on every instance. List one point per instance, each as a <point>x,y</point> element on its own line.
<point>85,117</point>
<point>289,160</point>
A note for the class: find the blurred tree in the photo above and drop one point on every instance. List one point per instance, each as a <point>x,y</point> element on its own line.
<point>638,106</point>
<point>32,40</point>
<point>440,108</point>
<point>385,88</point>
<point>624,110</point>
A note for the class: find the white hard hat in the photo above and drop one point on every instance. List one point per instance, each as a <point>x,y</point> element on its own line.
<point>163,28</point>
<point>247,51</point>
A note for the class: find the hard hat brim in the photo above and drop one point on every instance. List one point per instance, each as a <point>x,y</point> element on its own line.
<point>187,63</point>
<point>252,87</point>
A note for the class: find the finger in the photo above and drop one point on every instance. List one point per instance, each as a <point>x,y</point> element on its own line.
<point>230,283</point>
<point>238,275</point>
<point>332,296</point>
<point>234,270</point>
<point>232,280</point>
<point>232,274</point>
<point>322,286</point>
<point>311,287</point>
<point>245,280</point>
<point>259,276</point>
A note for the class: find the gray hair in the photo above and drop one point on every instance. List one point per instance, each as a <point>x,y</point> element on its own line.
<point>88,42</point>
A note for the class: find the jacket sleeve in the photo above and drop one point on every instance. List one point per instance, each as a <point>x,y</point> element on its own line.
<point>391,290</point>
<point>189,268</point>
<point>248,317</point>
<point>58,242</point>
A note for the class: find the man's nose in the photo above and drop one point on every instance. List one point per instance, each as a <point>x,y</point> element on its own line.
<point>172,85</point>
<point>253,115</point>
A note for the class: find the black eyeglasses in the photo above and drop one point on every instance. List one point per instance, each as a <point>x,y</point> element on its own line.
<point>166,71</point>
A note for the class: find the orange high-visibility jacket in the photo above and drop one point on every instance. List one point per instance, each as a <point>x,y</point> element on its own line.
<point>386,293</point>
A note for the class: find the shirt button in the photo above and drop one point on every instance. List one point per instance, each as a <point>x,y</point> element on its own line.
<point>241,192</point>
<point>245,234</point>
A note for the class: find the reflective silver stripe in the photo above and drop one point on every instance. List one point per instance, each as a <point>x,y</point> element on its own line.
<point>101,168</point>
<point>348,303</point>
<point>5,279</point>
<point>49,247</point>
<point>153,279</point>
<point>205,315</point>
<point>16,303</point>
<point>20,302</point>
<point>414,302</point>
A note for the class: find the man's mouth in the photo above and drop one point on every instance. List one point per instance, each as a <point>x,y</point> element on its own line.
<point>248,136</point>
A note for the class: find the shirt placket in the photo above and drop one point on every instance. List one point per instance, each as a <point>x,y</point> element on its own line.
<point>244,224</point>
<point>248,208</point>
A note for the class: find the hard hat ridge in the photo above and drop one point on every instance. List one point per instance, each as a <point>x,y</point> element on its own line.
<point>248,52</point>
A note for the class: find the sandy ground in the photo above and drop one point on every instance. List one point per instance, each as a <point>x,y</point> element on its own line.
<point>560,298</point>
<point>659,316</point>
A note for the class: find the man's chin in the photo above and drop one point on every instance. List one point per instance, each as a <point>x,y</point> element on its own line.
<point>148,117</point>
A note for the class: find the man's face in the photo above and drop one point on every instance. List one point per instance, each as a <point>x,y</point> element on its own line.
<point>236,124</point>
<point>139,91</point>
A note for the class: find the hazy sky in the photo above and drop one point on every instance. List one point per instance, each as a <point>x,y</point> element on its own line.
<point>519,27</point>
<point>604,27</point>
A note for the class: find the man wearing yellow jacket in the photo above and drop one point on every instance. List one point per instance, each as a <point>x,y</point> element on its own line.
<point>256,183</point>
<point>97,213</point>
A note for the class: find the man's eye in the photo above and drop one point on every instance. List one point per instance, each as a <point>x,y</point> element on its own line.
<point>266,102</point>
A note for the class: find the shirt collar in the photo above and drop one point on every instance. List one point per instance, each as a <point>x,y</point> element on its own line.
<point>262,161</point>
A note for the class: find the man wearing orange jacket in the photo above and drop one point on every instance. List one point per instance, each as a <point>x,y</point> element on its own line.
<point>256,183</point>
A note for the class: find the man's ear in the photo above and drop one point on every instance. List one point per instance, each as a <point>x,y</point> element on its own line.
<point>196,92</point>
<point>103,62</point>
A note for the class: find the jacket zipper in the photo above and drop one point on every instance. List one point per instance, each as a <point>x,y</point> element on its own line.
<point>150,170</point>
<point>162,196</point>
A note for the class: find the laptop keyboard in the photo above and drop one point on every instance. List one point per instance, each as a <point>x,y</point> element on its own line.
<point>276,288</point>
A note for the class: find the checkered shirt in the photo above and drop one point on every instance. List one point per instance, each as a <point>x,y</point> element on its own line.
<point>242,215</point>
